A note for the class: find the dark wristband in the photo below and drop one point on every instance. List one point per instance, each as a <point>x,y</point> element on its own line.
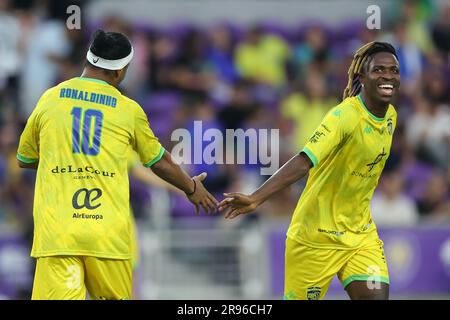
<point>195,188</point>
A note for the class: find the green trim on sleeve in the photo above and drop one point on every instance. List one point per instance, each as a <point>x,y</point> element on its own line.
<point>310,156</point>
<point>25,159</point>
<point>156,159</point>
<point>350,279</point>
<point>370,113</point>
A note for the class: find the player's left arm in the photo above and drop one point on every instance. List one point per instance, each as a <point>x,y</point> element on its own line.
<point>28,150</point>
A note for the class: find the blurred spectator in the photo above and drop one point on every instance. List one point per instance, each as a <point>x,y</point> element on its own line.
<point>10,35</point>
<point>191,73</point>
<point>390,206</point>
<point>47,40</point>
<point>409,57</point>
<point>307,109</point>
<point>211,154</point>
<point>221,52</point>
<point>220,57</point>
<point>240,107</point>
<point>415,15</point>
<point>435,87</point>
<point>70,63</point>
<point>314,51</point>
<point>262,58</point>
<point>414,172</point>
<point>441,31</point>
<point>434,201</point>
<point>162,51</point>
<point>428,132</point>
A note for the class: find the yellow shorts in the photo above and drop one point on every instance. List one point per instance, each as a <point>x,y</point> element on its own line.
<point>309,271</point>
<point>68,277</point>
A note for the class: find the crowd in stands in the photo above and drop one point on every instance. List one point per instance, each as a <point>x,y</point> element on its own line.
<point>266,75</point>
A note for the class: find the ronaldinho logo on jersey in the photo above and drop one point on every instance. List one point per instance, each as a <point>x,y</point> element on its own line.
<point>313,293</point>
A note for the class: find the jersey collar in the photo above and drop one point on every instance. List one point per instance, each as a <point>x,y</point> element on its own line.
<point>370,113</point>
<point>93,80</point>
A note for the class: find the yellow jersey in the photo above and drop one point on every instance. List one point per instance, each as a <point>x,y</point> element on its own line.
<point>80,132</point>
<point>348,150</point>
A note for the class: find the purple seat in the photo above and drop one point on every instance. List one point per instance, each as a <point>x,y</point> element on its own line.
<point>179,29</point>
<point>304,26</point>
<point>162,127</point>
<point>349,30</point>
<point>416,178</point>
<point>183,210</point>
<point>164,102</point>
<point>181,207</point>
<point>160,109</point>
<point>237,30</point>
<point>146,27</point>
<point>279,29</point>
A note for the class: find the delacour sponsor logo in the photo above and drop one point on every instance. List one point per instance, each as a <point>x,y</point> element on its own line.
<point>84,169</point>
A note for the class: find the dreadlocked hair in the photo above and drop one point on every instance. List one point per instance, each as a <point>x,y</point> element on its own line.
<point>359,61</point>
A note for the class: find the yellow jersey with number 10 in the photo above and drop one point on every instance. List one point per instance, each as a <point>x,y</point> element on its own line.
<point>80,132</point>
<point>348,150</point>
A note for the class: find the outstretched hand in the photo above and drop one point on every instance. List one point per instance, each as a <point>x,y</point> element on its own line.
<point>237,204</point>
<point>201,196</point>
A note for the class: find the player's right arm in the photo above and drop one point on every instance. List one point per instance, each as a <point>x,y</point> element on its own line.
<point>171,172</point>
<point>148,177</point>
<point>329,135</point>
<point>154,156</point>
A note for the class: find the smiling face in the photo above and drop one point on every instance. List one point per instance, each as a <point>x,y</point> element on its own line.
<point>381,77</point>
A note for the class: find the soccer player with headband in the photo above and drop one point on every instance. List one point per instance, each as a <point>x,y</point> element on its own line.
<point>78,138</point>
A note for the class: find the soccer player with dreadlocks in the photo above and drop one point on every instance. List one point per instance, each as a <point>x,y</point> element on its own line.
<point>332,232</point>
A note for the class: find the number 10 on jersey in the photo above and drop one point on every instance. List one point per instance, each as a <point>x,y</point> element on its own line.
<point>82,141</point>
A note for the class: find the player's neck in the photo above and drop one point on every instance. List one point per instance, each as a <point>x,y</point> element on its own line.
<point>87,73</point>
<point>377,108</point>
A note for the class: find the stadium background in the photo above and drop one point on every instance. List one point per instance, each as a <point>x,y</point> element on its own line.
<point>194,60</point>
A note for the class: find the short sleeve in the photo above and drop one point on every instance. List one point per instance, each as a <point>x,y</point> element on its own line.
<point>28,150</point>
<point>133,159</point>
<point>144,141</point>
<point>330,134</point>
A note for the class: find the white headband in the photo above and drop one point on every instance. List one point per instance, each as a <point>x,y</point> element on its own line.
<point>109,64</point>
